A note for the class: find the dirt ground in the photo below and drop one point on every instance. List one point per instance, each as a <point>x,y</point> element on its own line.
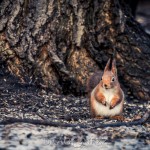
<point>28,101</point>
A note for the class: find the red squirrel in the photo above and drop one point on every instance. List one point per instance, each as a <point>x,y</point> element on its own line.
<point>105,93</point>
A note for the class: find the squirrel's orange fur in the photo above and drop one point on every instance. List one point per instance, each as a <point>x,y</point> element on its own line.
<point>106,95</point>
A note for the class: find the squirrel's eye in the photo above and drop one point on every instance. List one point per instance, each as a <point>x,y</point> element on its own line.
<point>113,79</point>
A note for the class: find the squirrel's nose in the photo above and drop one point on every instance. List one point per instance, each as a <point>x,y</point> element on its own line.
<point>105,85</point>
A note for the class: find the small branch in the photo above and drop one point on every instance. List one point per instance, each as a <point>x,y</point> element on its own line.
<point>141,121</point>
<point>39,122</point>
<point>11,120</point>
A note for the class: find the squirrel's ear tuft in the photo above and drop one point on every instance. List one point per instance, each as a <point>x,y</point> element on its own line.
<point>107,67</point>
<point>114,69</point>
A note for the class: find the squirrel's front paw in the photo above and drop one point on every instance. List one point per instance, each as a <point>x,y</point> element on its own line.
<point>100,98</point>
<point>103,101</point>
<point>111,106</point>
<point>114,103</point>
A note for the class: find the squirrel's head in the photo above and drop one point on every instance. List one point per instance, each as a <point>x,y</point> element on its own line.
<point>109,78</point>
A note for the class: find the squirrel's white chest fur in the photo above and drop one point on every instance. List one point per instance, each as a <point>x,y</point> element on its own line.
<point>109,94</point>
<point>102,110</point>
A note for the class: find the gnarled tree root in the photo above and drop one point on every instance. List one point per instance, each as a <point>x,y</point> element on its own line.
<point>11,120</point>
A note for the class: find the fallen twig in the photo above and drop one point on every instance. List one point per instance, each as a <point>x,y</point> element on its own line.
<point>11,120</point>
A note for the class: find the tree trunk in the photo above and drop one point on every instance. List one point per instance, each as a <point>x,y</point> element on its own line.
<point>58,44</point>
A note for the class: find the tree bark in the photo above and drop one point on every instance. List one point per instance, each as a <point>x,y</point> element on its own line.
<point>58,44</point>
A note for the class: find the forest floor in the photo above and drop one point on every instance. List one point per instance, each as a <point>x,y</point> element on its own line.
<point>27,101</point>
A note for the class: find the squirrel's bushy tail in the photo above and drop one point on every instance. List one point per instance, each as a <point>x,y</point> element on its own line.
<point>93,81</point>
